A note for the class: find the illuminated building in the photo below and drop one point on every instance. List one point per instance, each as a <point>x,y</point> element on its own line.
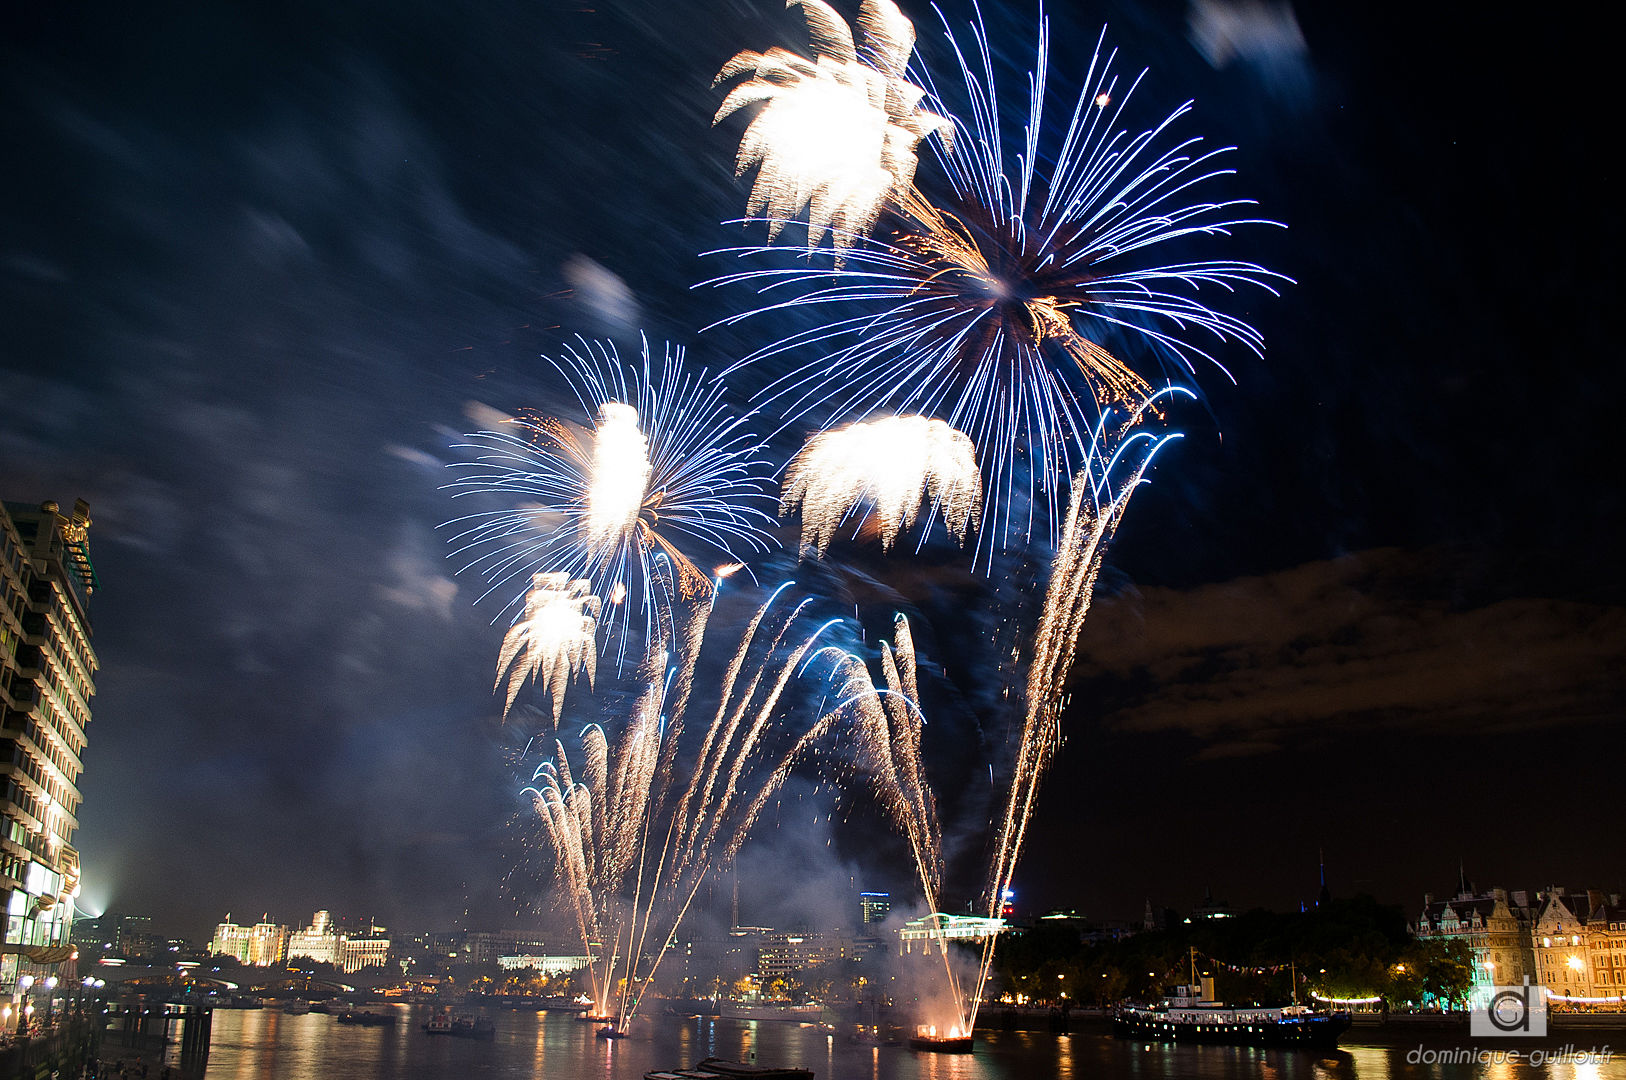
<point>1579,940</point>
<point>938,926</point>
<point>782,954</point>
<point>267,943</point>
<point>547,965</point>
<point>873,907</point>
<point>1574,944</point>
<point>356,953</point>
<point>47,672</point>
<point>318,941</point>
<point>230,940</point>
<point>261,945</point>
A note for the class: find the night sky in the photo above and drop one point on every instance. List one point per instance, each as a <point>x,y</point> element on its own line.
<point>262,264</point>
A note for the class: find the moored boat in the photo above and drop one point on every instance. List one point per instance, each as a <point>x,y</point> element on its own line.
<point>366,1018</point>
<point>1193,1016</point>
<point>478,1027</point>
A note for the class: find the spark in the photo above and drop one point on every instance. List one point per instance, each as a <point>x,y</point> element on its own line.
<point>1115,466</point>
<point>551,640</point>
<point>887,723</point>
<point>631,847</point>
<point>835,135</point>
<point>665,465</point>
<point>992,294</point>
<point>888,464</point>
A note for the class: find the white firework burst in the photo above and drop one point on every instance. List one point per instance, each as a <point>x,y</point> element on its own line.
<point>552,640</point>
<point>836,135</point>
<point>888,466</point>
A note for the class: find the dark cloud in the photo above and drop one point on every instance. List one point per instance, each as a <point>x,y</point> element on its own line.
<point>1383,641</point>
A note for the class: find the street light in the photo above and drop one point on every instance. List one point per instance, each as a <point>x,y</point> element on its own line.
<point>23,985</point>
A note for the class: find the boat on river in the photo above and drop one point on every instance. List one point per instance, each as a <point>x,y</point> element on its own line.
<point>366,1018</point>
<point>1193,1015</point>
<point>442,1022</point>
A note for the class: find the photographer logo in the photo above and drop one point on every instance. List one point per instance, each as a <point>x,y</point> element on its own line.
<point>1511,1010</point>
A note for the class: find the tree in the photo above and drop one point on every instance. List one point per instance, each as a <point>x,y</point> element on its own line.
<point>1448,970</point>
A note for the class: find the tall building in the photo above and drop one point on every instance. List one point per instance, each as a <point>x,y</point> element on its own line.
<point>318,942</point>
<point>261,945</point>
<point>113,934</point>
<point>47,673</point>
<point>322,942</point>
<point>873,907</point>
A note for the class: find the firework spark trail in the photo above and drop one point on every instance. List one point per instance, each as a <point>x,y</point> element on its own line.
<point>631,850</point>
<point>551,640</point>
<point>1115,467</point>
<point>597,828</point>
<point>837,135</point>
<point>708,821</point>
<point>985,304</point>
<point>889,464</point>
<point>566,811</point>
<point>887,722</point>
<point>666,462</point>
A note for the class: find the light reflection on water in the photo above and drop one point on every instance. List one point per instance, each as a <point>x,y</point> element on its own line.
<point>269,1045</point>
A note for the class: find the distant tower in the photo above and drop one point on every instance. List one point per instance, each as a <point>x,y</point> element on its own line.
<point>735,917</point>
<point>1324,897</point>
<point>47,672</point>
<point>873,907</point>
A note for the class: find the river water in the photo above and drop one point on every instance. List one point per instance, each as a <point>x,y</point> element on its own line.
<point>264,1044</point>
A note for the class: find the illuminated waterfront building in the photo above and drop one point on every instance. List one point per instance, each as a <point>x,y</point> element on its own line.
<point>356,953</point>
<point>261,945</point>
<point>267,943</point>
<point>230,940</point>
<point>1574,944</point>
<point>318,942</point>
<point>939,927</point>
<point>547,965</point>
<point>1580,944</point>
<point>47,672</point>
<point>781,953</point>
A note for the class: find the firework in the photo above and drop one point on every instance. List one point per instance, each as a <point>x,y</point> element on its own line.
<point>886,722</point>
<point>595,824</point>
<point>990,296</point>
<point>552,639</point>
<point>1114,468</point>
<point>836,135</point>
<point>888,464</point>
<point>664,465</point>
<point>630,848</point>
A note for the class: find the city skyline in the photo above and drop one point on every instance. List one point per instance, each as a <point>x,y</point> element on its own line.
<point>258,294</point>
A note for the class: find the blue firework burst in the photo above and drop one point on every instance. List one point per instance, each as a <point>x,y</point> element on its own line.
<point>662,473</point>
<point>988,297</point>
